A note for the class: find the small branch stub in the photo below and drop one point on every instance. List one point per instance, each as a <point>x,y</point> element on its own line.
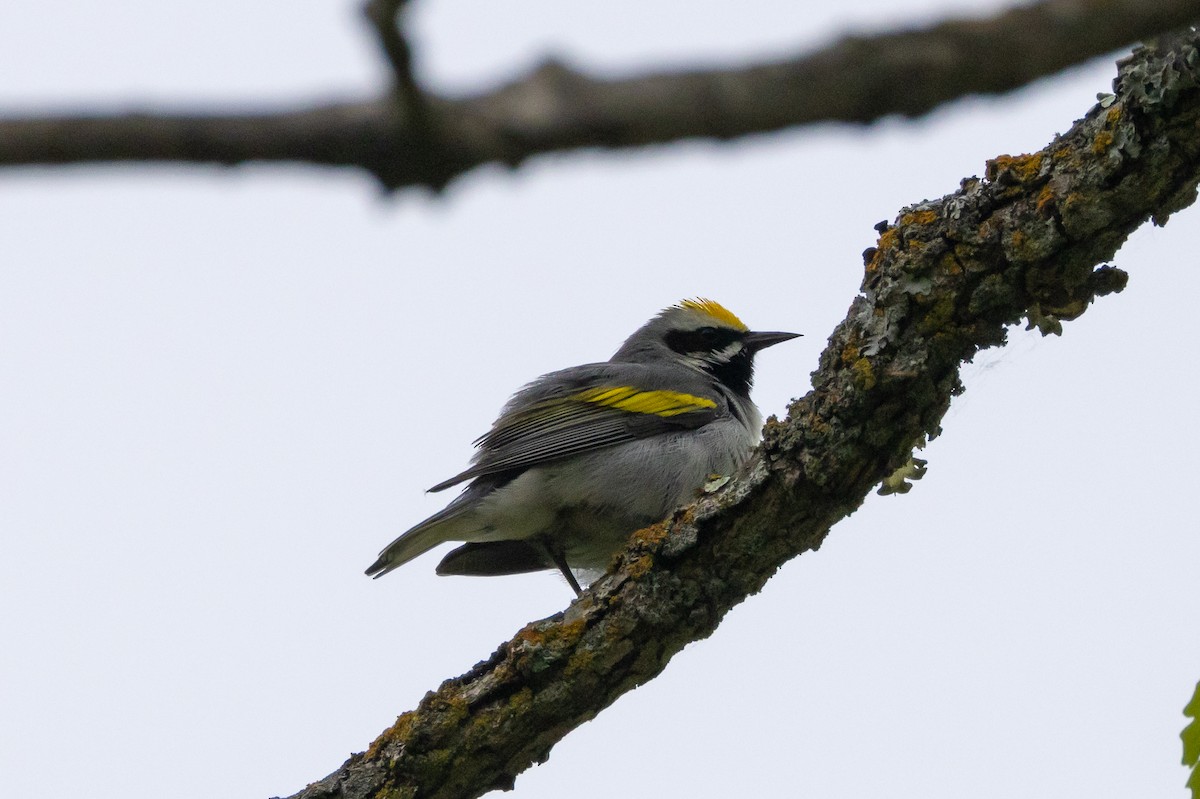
<point>387,19</point>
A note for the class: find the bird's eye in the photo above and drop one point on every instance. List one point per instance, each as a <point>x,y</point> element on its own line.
<point>710,336</point>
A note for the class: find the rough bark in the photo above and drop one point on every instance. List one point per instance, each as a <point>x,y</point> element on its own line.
<point>1027,242</point>
<point>407,137</point>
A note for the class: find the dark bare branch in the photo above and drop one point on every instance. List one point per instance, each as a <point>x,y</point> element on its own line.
<point>944,282</point>
<point>857,79</point>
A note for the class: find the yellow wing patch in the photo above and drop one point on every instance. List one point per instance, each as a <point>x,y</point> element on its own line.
<point>716,310</point>
<point>632,400</point>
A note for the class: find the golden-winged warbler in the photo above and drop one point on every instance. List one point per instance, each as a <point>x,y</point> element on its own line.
<point>582,457</point>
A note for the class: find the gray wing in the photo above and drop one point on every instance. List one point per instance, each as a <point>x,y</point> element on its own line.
<point>584,409</point>
<point>563,413</point>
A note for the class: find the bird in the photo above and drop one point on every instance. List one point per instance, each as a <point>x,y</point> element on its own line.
<point>582,457</point>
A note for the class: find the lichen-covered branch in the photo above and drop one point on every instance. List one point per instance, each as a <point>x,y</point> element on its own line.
<point>856,79</point>
<point>1028,241</point>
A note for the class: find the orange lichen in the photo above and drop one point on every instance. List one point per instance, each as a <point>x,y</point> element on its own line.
<point>1019,168</point>
<point>540,645</point>
<point>653,534</point>
<point>1102,142</point>
<point>1045,201</point>
<point>530,634</point>
<point>566,632</point>
<point>888,239</point>
<point>640,566</point>
<point>919,218</point>
<point>1069,202</point>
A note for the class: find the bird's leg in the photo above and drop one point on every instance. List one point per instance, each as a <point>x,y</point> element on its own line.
<point>557,558</point>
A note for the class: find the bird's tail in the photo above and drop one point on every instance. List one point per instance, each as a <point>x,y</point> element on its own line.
<point>438,528</point>
<point>408,546</point>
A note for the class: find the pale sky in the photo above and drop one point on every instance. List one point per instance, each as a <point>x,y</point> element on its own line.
<point>224,391</point>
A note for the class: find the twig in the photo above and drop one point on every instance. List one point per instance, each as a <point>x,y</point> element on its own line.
<point>857,79</point>
<point>387,18</point>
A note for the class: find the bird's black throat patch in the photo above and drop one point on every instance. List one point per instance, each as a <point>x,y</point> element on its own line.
<point>737,373</point>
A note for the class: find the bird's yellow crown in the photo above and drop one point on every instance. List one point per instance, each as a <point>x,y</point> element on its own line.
<point>716,310</point>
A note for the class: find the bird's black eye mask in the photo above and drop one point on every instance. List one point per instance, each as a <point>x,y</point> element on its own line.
<point>701,340</point>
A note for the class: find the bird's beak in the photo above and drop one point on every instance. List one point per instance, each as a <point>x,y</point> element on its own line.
<point>760,341</point>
